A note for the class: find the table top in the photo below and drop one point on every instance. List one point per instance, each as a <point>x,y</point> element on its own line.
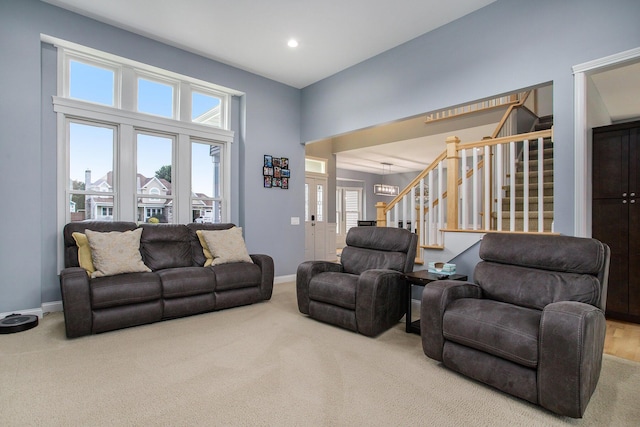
<point>425,276</point>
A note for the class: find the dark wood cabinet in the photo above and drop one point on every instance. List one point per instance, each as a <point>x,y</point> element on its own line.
<point>616,213</point>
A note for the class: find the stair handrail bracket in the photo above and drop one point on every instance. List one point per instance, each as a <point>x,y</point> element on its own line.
<point>496,184</point>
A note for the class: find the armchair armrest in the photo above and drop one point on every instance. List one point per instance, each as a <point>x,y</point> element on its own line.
<point>435,299</point>
<point>571,344</point>
<point>265,262</point>
<point>381,300</point>
<point>305,273</point>
<point>76,301</point>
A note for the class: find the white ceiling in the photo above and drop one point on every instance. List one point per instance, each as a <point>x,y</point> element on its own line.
<point>253,34</point>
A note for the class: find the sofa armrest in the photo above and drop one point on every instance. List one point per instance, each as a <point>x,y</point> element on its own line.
<point>265,262</point>
<point>305,273</point>
<point>381,300</point>
<point>571,344</point>
<point>435,299</point>
<point>76,301</point>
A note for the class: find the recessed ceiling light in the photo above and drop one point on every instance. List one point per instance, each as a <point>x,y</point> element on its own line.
<point>292,43</point>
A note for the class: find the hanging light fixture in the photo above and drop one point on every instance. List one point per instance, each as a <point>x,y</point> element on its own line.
<point>385,189</point>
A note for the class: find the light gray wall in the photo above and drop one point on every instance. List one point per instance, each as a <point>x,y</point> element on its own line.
<point>266,121</point>
<point>508,45</point>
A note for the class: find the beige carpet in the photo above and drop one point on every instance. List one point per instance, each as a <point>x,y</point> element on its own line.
<point>263,365</point>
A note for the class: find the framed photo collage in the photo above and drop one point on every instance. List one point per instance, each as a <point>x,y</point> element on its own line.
<point>276,172</point>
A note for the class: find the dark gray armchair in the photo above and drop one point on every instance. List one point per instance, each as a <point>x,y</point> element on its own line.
<point>366,291</point>
<point>532,324</point>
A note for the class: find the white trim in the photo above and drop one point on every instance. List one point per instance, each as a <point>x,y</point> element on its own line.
<point>52,307</point>
<point>64,44</point>
<point>103,113</point>
<point>284,279</point>
<point>582,185</point>
<point>47,307</point>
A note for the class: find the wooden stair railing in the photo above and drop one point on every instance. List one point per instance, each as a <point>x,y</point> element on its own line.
<point>478,185</point>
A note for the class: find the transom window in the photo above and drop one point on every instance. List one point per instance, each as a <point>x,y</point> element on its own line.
<point>138,142</point>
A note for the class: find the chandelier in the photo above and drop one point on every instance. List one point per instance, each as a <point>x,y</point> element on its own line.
<point>385,189</point>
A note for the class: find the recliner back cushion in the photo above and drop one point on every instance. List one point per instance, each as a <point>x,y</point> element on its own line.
<point>380,238</point>
<point>357,260</point>
<point>165,246</point>
<point>548,252</point>
<point>377,248</point>
<point>534,288</point>
<point>70,246</point>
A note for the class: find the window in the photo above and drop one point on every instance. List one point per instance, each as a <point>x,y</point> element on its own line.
<point>153,178</point>
<point>348,208</point>
<point>91,82</point>
<point>155,97</point>
<point>206,182</point>
<point>206,109</point>
<point>155,150</point>
<point>91,185</point>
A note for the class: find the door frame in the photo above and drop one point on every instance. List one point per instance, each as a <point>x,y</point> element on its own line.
<point>582,159</point>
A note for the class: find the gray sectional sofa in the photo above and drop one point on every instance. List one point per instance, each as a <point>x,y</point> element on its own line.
<point>177,285</point>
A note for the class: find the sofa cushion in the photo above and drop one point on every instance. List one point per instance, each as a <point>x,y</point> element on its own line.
<point>225,246</point>
<point>133,288</point>
<point>165,246</point>
<point>237,275</point>
<point>186,281</point>
<point>497,328</point>
<point>116,252</point>
<point>334,288</point>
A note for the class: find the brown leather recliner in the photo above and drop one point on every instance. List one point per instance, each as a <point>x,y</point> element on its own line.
<point>366,291</point>
<point>532,324</point>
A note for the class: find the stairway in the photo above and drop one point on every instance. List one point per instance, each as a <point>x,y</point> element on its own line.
<point>542,123</point>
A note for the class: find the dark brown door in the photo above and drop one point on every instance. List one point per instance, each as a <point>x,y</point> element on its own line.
<point>616,213</point>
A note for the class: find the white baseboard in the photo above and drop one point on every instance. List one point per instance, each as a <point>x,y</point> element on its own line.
<point>47,307</point>
<point>53,306</point>
<point>284,279</point>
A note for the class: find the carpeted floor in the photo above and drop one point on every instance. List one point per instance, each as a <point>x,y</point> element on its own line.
<point>263,365</point>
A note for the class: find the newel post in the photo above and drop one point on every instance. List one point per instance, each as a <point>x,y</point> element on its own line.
<point>381,218</point>
<point>453,170</point>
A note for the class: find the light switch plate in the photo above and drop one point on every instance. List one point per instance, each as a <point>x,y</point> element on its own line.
<point>295,220</point>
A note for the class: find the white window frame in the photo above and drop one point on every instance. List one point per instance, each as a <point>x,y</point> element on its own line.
<point>125,117</point>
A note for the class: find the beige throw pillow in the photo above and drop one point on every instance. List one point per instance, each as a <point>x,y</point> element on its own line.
<point>116,252</point>
<point>224,246</point>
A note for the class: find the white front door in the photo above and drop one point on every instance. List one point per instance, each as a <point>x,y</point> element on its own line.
<point>315,218</point>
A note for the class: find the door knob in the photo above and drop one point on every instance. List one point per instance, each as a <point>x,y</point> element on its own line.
<point>624,194</point>
<point>632,201</point>
<point>624,202</point>
<point>633,194</point>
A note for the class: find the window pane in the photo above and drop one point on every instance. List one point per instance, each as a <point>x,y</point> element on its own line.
<point>155,98</point>
<point>205,109</point>
<point>91,169</point>
<point>153,178</point>
<point>320,202</point>
<point>206,182</point>
<point>91,83</point>
<point>306,202</point>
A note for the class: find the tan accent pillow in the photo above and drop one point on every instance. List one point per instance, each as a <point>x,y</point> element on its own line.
<point>84,252</point>
<point>225,246</point>
<point>116,252</point>
<point>205,249</point>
